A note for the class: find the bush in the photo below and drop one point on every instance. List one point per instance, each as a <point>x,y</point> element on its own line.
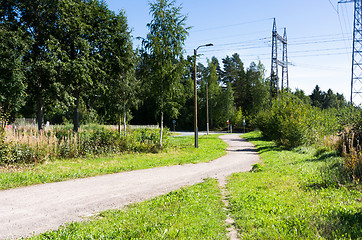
<point>292,123</point>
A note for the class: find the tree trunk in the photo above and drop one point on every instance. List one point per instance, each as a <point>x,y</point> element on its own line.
<point>211,120</point>
<point>76,113</point>
<point>161,130</point>
<point>120,123</point>
<point>40,112</point>
<point>124,119</point>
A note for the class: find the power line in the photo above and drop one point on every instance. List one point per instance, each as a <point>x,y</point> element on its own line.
<point>250,44</point>
<point>226,37</point>
<point>231,25</point>
<point>345,23</point>
<point>334,8</point>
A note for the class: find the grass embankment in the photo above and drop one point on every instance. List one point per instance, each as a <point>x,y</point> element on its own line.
<point>289,199</point>
<point>183,152</point>
<point>190,213</point>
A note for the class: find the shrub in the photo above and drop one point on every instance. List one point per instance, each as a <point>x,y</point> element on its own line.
<point>292,123</point>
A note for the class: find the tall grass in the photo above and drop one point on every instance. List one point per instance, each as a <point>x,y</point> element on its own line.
<point>27,145</point>
<point>352,153</point>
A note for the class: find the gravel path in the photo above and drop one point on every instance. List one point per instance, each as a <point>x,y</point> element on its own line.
<point>36,209</point>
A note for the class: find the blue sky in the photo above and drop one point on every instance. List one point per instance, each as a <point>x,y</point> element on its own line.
<point>319,35</point>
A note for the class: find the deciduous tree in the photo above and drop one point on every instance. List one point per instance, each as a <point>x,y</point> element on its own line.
<point>163,50</point>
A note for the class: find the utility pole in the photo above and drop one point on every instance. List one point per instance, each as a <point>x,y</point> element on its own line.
<point>275,62</point>
<point>285,80</point>
<point>356,79</point>
<point>196,129</point>
<point>207,108</point>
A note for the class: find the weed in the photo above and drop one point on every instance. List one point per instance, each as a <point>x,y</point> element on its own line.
<point>257,167</point>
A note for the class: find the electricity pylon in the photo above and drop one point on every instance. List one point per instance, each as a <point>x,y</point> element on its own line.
<point>275,62</point>
<point>356,79</point>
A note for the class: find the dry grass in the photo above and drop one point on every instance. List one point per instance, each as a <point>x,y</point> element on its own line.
<point>31,136</point>
<point>28,145</point>
<point>352,153</point>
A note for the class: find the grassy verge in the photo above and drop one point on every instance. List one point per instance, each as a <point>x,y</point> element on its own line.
<point>190,213</point>
<point>210,148</point>
<point>287,200</point>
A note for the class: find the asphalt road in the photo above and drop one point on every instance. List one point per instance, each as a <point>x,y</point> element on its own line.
<point>36,209</point>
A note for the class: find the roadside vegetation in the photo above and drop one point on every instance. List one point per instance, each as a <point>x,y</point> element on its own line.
<point>291,123</point>
<point>25,145</point>
<point>190,213</point>
<point>178,150</point>
<point>295,194</point>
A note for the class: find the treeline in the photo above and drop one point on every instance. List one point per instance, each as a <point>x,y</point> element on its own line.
<point>73,61</point>
<point>321,99</point>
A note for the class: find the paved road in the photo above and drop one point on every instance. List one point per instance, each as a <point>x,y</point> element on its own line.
<point>39,208</point>
<point>192,133</point>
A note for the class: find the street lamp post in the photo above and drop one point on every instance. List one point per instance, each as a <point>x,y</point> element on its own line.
<point>207,108</point>
<point>195,90</point>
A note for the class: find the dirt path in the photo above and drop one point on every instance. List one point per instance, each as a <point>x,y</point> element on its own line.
<point>39,208</point>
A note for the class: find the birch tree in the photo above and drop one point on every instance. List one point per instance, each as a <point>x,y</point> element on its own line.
<point>162,55</point>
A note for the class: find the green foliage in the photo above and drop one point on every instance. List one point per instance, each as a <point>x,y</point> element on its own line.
<point>162,63</point>
<point>301,95</point>
<point>334,173</point>
<point>327,100</point>
<point>287,200</point>
<point>4,147</point>
<point>171,216</point>
<point>162,55</point>
<point>250,88</point>
<point>291,123</point>
<point>237,119</point>
<point>221,98</point>
<point>257,167</point>
<point>120,89</point>
<point>12,82</point>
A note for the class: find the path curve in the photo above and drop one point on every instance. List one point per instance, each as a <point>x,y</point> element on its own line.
<point>36,209</point>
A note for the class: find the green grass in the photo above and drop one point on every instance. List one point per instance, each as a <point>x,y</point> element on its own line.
<point>210,148</point>
<point>190,213</point>
<point>287,200</point>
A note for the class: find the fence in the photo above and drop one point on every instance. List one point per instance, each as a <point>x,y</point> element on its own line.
<point>136,126</point>
<point>25,121</point>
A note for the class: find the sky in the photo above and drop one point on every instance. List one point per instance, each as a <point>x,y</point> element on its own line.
<point>319,35</point>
